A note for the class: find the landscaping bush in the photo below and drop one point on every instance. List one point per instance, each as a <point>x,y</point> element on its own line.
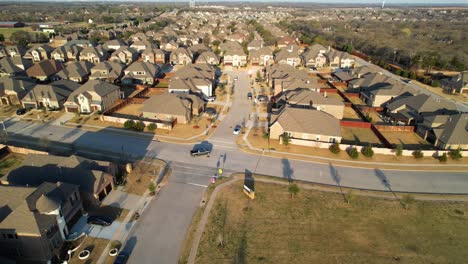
<point>399,150</point>
<point>367,151</point>
<point>353,152</point>
<point>129,124</point>
<point>435,83</point>
<point>443,157</point>
<point>335,148</point>
<point>455,154</point>
<point>139,126</point>
<point>151,188</point>
<point>151,127</point>
<point>418,154</point>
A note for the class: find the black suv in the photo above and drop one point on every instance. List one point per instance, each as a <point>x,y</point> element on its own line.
<point>200,151</point>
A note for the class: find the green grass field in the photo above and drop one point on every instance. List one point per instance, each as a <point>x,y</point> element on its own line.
<point>319,227</point>
<point>8,31</point>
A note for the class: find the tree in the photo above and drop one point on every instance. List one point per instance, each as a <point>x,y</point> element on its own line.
<point>412,75</point>
<point>353,152</point>
<point>21,37</point>
<point>129,124</point>
<point>2,38</point>
<point>293,189</point>
<point>436,83</point>
<point>139,126</point>
<point>216,43</point>
<point>455,154</point>
<point>335,148</point>
<point>367,151</point>
<point>286,138</point>
<point>151,127</point>
<point>399,150</point>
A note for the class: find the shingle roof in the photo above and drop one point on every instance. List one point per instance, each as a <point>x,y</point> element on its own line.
<point>309,121</point>
<point>76,69</point>
<point>306,96</point>
<point>422,103</point>
<point>102,88</point>
<point>14,65</point>
<point>455,131</point>
<point>44,68</point>
<point>170,104</point>
<point>19,84</point>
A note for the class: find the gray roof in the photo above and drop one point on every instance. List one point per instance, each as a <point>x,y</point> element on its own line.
<point>422,103</point>
<point>304,120</point>
<point>313,51</point>
<point>57,91</point>
<point>14,65</point>
<point>455,131</point>
<point>306,97</point>
<point>76,69</point>
<point>20,85</point>
<point>151,70</point>
<point>102,88</point>
<point>171,104</point>
<point>371,79</point>
<point>112,69</point>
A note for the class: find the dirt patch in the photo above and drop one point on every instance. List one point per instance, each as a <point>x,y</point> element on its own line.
<point>350,115</point>
<point>138,180</point>
<point>95,245</point>
<point>359,136</point>
<point>130,109</point>
<point>409,140</point>
<point>10,162</point>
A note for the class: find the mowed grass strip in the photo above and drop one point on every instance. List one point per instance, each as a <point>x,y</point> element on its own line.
<point>320,227</point>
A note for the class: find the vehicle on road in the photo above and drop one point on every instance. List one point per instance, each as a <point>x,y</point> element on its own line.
<point>249,95</point>
<point>236,78</point>
<point>211,98</point>
<point>237,130</point>
<point>121,258</point>
<point>99,220</point>
<point>21,111</point>
<point>200,151</point>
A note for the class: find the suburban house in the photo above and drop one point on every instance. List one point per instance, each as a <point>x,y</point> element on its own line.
<point>194,78</point>
<point>38,53</point>
<point>114,44</point>
<point>154,56</point>
<point>141,45</point>
<point>45,70</point>
<point>378,94</point>
<point>255,44</point>
<point>457,84</point>
<point>179,107</point>
<point>82,43</point>
<point>288,55</point>
<point>369,79</point>
<point>278,75</point>
<point>14,51</point>
<point>93,54</point>
<point>261,57</point>
<point>306,98</point>
<point>237,36</point>
<point>125,55</point>
<point>13,66</point>
<point>77,71</point>
<point>94,178</point>
<point>35,221</point>
<point>141,73</point>
<point>300,125</point>
<point>208,57</point>
<point>66,53</point>
<point>285,41</point>
<point>170,46</point>
<point>107,71</point>
<point>13,89</point>
<point>314,56</point>
<point>51,96</point>
<point>361,71</point>
<point>94,95</point>
<point>445,131</point>
<point>411,109</point>
<point>338,59</point>
<point>181,56</point>
<point>233,53</point>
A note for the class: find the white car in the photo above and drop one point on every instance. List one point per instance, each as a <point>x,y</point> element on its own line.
<point>235,78</point>
<point>237,130</point>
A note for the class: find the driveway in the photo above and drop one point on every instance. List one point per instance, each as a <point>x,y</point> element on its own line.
<point>105,232</point>
<point>120,199</point>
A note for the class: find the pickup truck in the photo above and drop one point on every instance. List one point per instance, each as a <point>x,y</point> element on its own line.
<point>200,152</point>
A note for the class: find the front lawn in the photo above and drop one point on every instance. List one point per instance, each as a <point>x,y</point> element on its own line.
<point>10,162</point>
<point>320,227</point>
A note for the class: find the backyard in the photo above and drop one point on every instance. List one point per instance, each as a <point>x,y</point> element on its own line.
<point>408,139</point>
<point>320,227</point>
<point>359,136</point>
<point>350,115</point>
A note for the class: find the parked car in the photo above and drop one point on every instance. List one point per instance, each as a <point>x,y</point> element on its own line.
<point>211,98</point>
<point>236,78</point>
<point>210,111</point>
<point>200,151</point>
<point>21,111</point>
<point>237,130</point>
<point>99,220</point>
<point>121,258</point>
<point>249,95</point>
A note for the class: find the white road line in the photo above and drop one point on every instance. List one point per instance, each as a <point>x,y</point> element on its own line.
<point>196,184</point>
<point>183,172</point>
<point>197,168</point>
<point>221,141</point>
<point>222,146</point>
<point>24,128</point>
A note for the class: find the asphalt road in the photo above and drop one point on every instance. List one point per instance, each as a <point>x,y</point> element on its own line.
<point>160,232</point>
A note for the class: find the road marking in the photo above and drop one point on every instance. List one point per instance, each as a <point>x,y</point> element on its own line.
<point>182,172</point>
<point>196,184</point>
<point>189,167</point>
<point>222,146</point>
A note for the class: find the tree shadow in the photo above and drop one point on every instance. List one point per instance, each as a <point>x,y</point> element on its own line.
<point>386,183</point>
<point>337,179</point>
<point>288,171</point>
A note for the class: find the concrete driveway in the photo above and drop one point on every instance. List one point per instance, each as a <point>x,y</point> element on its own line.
<point>105,232</point>
<point>121,199</point>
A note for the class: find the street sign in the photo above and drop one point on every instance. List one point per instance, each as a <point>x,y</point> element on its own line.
<point>249,192</point>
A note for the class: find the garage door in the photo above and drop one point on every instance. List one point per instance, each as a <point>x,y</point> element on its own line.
<point>72,109</point>
<point>29,106</point>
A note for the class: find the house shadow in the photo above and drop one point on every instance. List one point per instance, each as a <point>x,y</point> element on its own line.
<point>288,171</point>
<point>129,246</point>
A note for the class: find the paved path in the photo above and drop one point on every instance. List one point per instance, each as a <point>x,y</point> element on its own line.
<point>104,232</point>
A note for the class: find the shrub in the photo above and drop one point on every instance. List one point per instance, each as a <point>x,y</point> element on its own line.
<point>399,150</point>
<point>404,74</point>
<point>435,83</point>
<point>455,154</point>
<point>406,200</point>
<point>116,244</point>
<point>151,127</point>
<point>412,75</point>
<point>139,126</point>
<point>266,135</point>
<point>418,154</point>
<point>443,157</point>
<point>353,152</point>
<point>335,148</point>
<point>367,151</point>
<point>151,188</point>
<point>129,124</point>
